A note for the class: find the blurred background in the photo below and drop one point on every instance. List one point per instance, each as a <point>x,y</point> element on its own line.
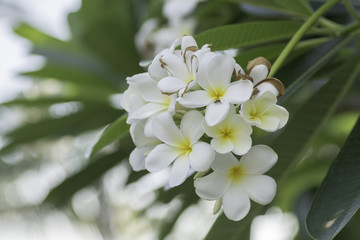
<point>63,66</point>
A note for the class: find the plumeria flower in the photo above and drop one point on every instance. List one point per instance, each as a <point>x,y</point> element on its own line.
<point>180,147</point>
<point>263,112</point>
<point>214,76</point>
<point>149,101</point>
<point>232,134</point>
<point>181,67</point>
<point>236,182</point>
<point>143,145</point>
<point>258,69</point>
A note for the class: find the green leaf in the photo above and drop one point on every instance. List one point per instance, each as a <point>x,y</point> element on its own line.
<point>308,64</point>
<point>272,51</point>
<point>247,34</point>
<point>62,193</point>
<point>296,7</point>
<point>113,132</point>
<point>338,197</point>
<point>292,144</point>
<point>69,125</point>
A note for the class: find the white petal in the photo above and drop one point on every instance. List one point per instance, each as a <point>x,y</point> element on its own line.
<point>147,110</point>
<point>201,156</point>
<point>138,136</point>
<point>239,91</point>
<point>214,131</point>
<point>263,101</point>
<point>223,162</point>
<point>202,75</point>
<point>171,85</point>
<point>280,112</point>
<point>260,188</point>
<point>238,125</point>
<point>236,203</point>
<point>155,70</point>
<point>242,144</point>
<point>191,125</point>
<point>186,42</point>
<point>160,157</point>
<point>165,129</point>
<point>148,91</point>
<point>259,159</point>
<point>269,123</point>
<point>220,69</point>
<point>179,171</point>
<point>259,73</point>
<point>137,158</point>
<point>172,104</point>
<point>175,66</point>
<point>148,131</point>
<point>222,144</point>
<point>195,99</point>
<point>216,112</point>
<point>268,87</point>
<point>212,186</point>
<point>238,69</point>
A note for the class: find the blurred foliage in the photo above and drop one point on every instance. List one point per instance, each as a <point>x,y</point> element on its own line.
<point>321,76</point>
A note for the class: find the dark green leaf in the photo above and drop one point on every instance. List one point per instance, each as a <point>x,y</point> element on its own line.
<point>297,7</point>
<point>338,197</point>
<point>114,132</point>
<point>297,72</point>
<point>61,194</point>
<point>292,144</point>
<point>247,34</point>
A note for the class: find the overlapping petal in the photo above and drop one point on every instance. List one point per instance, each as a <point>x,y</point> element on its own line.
<point>259,159</point>
<point>212,186</point>
<point>236,203</point>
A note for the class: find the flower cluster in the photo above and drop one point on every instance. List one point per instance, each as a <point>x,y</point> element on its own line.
<point>194,111</point>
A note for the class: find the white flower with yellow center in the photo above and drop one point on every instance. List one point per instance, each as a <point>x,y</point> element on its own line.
<point>143,145</point>
<point>232,134</point>
<point>181,146</point>
<point>146,101</point>
<point>263,112</point>
<point>236,182</point>
<point>214,76</point>
<point>181,67</point>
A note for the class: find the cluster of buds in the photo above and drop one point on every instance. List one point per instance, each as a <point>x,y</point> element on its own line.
<point>193,111</point>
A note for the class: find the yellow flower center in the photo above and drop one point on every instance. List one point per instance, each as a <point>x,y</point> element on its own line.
<point>185,147</point>
<point>217,94</point>
<point>235,173</point>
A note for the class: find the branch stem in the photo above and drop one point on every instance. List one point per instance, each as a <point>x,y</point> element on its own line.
<point>300,33</point>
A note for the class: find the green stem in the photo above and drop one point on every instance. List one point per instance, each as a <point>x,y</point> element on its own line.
<point>351,10</point>
<point>298,35</point>
<point>329,24</point>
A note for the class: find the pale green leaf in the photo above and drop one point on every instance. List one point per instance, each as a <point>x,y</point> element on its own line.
<point>114,132</point>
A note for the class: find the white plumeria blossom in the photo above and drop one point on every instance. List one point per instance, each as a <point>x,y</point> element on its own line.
<point>193,111</point>
<point>181,67</point>
<point>214,76</point>
<point>236,182</point>
<point>180,147</point>
<point>232,134</point>
<point>143,100</point>
<point>143,146</point>
<point>263,112</point>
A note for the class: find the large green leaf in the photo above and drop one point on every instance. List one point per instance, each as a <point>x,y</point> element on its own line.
<point>107,29</point>
<point>73,124</point>
<point>296,73</point>
<point>247,34</point>
<point>272,51</point>
<point>338,197</point>
<point>114,132</point>
<point>62,193</point>
<point>296,7</point>
<point>292,144</point>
